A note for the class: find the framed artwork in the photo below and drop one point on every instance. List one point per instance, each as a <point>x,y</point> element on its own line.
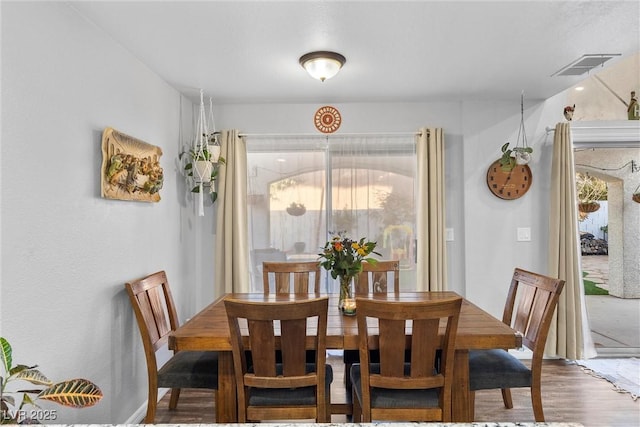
<point>130,168</point>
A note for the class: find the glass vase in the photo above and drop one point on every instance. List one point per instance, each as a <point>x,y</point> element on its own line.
<point>347,302</point>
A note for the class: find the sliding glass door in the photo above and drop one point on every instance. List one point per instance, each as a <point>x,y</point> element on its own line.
<point>301,191</point>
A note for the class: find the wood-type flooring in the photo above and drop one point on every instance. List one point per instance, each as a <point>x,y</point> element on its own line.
<point>568,395</point>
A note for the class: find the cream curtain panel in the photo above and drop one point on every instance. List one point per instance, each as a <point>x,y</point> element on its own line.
<point>430,222</point>
<point>232,252</point>
<point>569,334</point>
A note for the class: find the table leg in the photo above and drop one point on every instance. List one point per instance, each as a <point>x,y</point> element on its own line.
<point>460,399</point>
<point>226,410</point>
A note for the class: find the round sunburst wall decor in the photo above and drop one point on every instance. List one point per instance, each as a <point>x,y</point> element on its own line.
<point>327,119</point>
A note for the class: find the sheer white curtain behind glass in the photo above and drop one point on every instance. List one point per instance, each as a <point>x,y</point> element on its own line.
<point>285,201</point>
<point>300,190</point>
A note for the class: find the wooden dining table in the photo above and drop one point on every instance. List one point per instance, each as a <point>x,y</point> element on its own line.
<point>208,330</point>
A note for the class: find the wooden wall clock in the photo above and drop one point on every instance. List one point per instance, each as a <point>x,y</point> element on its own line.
<point>509,185</point>
<point>327,119</point>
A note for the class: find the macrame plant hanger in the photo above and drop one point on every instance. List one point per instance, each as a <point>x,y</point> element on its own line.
<point>522,152</point>
<point>202,166</point>
<point>213,140</point>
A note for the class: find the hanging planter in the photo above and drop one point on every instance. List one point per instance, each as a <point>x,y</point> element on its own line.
<point>636,193</point>
<point>521,153</point>
<point>296,209</point>
<point>202,170</point>
<point>588,207</point>
<point>203,160</point>
<point>590,190</point>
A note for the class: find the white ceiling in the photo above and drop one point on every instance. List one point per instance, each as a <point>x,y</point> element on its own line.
<point>248,51</point>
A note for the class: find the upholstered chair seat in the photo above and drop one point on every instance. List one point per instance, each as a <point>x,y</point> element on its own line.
<point>497,368</point>
<point>197,369</point>
<point>394,398</point>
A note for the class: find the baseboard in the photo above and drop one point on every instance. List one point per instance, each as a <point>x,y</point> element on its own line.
<point>138,416</point>
<point>618,352</point>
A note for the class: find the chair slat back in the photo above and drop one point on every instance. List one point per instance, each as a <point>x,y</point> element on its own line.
<point>375,278</point>
<point>384,326</point>
<point>291,277</point>
<point>530,305</point>
<point>154,309</point>
<point>263,329</point>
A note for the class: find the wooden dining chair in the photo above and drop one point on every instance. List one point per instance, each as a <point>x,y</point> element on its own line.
<point>156,316</point>
<point>290,389</point>
<point>291,277</point>
<point>531,301</point>
<point>374,279</point>
<point>394,389</point>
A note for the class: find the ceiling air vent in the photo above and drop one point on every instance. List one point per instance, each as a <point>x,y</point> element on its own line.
<point>585,64</point>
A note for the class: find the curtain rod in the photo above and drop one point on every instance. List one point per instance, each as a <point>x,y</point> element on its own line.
<point>578,128</point>
<point>311,135</point>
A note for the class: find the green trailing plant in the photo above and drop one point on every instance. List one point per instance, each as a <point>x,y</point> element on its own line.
<point>507,160</point>
<point>202,155</point>
<point>20,406</point>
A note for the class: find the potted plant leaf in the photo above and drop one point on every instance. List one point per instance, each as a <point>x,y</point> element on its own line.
<point>590,190</point>
<point>16,409</point>
<point>517,156</point>
<point>203,163</point>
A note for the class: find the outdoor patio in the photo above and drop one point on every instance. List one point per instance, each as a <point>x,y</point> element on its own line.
<point>614,322</point>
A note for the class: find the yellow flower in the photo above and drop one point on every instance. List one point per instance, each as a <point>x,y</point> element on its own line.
<point>343,256</point>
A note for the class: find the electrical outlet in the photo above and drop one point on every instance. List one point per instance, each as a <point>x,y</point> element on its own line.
<point>524,234</point>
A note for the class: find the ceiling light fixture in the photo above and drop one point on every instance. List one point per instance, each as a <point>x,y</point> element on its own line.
<point>322,65</point>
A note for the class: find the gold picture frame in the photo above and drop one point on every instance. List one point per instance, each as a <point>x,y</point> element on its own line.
<point>130,168</point>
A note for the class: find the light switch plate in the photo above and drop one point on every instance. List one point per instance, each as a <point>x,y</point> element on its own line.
<point>448,234</point>
<point>524,234</point>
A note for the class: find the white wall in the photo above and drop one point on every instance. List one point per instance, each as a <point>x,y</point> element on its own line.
<point>371,117</point>
<point>484,251</point>
<point>491,248</point>
<point>66,252</point>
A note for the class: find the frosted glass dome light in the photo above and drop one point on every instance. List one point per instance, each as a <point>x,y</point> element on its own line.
<point>322,65</point>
